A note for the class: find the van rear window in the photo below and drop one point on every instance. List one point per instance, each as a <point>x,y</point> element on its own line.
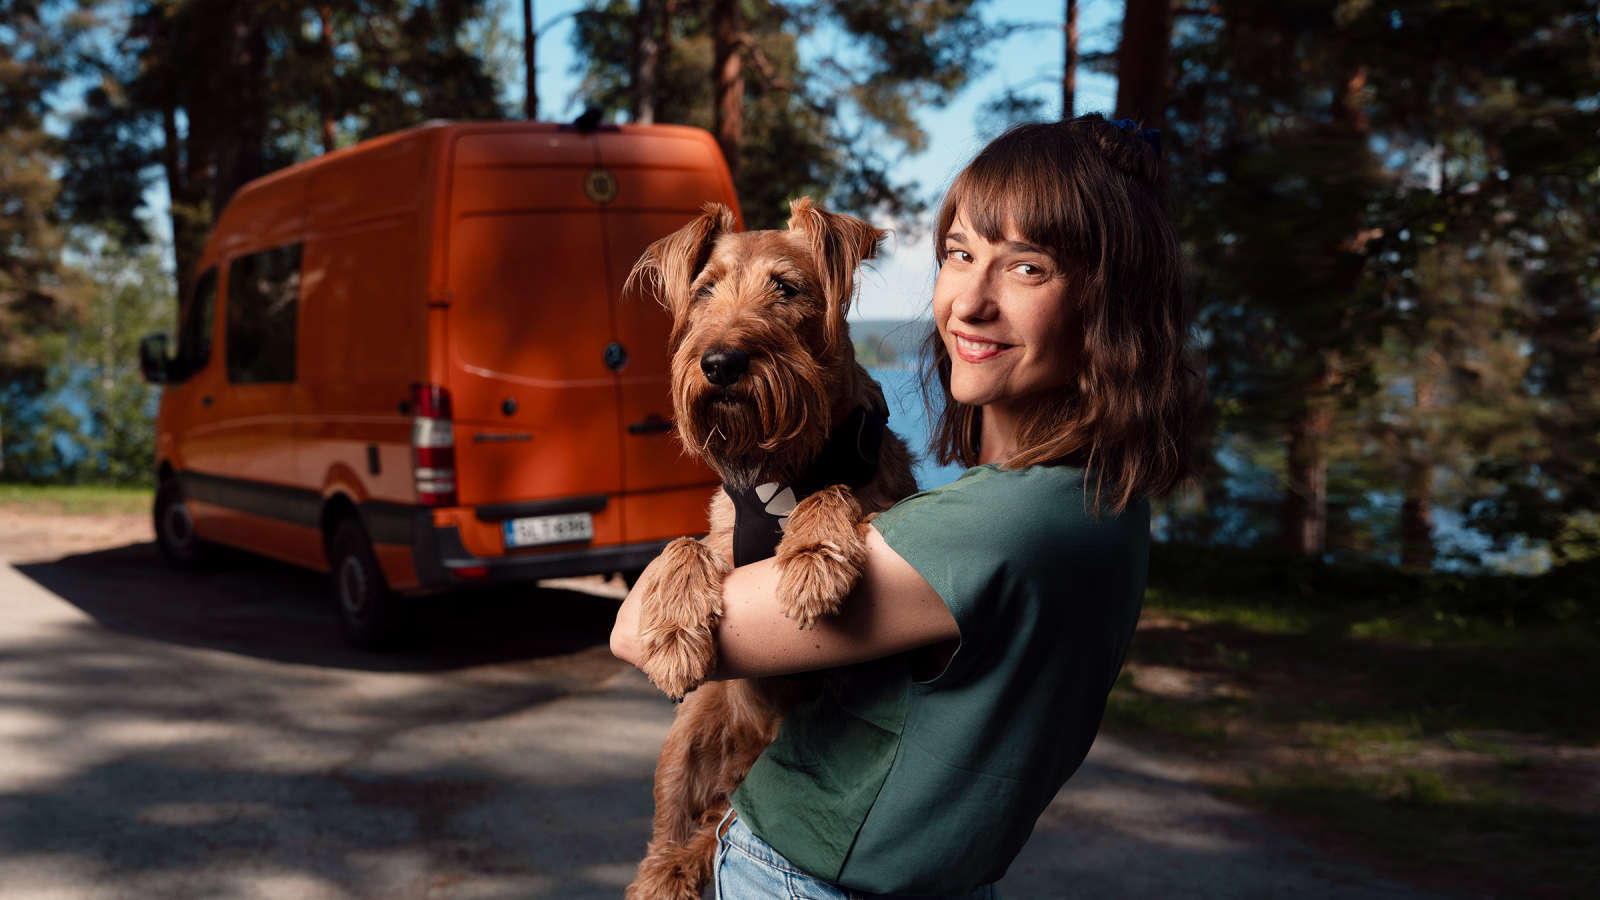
<point>263,295</point>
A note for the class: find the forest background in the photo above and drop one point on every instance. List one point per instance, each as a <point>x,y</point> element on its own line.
<point>1388,209</point>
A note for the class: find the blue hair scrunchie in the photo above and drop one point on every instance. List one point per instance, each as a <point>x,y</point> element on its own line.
<point>1151,136</point>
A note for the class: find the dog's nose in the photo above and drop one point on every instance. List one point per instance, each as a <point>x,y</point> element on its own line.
<point>723,367</point>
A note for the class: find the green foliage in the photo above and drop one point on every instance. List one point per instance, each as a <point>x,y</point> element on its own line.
<point>217,93</point>
<point>1392,262</point>
<point>91,418</point>
<point>832,127</point>
<point>37,293</point>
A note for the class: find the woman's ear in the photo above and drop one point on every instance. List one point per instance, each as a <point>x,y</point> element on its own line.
<point>840,244</point>
<point>671,264</point>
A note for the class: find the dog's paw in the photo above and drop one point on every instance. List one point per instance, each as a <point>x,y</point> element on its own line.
<point>820,556</point>
<point>813,580</point>
<point>679,604</point>
<point>678,660</point>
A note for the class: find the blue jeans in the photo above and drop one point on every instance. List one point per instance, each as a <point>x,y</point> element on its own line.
<point>747,868</point>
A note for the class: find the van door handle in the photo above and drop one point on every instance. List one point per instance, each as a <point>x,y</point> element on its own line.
<point>206,400</point>
<point>652,424</point>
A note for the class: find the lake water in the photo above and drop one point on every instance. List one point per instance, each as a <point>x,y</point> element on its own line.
<point>901,388</point>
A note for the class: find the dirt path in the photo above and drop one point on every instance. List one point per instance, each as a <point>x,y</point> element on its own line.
<point>208,735</point>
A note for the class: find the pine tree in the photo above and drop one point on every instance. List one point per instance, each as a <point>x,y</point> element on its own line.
<point>831,127</point>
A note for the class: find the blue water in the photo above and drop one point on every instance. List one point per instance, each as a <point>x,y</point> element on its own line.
<point>908,419</point>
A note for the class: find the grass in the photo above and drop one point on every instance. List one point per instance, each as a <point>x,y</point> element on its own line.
<point>1442,727</point>
<point>75,499</point>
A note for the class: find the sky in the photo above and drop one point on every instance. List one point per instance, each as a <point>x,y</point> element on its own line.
<point>899,283</point>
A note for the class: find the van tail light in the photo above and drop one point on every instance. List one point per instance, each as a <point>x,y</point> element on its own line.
<point>433,446</point>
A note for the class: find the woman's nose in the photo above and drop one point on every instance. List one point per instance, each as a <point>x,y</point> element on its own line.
<point>975,301</point>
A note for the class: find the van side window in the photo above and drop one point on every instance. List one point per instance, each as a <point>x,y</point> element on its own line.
<point>194,332</point>
<point>263,294</point>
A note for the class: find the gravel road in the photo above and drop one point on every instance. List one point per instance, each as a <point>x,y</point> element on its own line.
<point>171,735</point>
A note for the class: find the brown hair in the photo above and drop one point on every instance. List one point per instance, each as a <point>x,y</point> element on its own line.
<point>1092,194</point>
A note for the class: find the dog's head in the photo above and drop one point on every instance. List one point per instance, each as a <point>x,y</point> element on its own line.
<point>759,342</point>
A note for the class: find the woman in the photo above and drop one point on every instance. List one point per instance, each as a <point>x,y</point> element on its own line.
<point>972,662</point>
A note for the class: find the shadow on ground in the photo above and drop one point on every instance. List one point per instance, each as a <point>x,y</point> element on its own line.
<point>258,607</point>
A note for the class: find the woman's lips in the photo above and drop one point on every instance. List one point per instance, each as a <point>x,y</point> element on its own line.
<point>974,350</point>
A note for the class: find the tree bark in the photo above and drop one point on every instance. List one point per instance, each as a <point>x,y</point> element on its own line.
<point>530,97</point>
<point>1069,65</point>
<point>329,135</point>
<point>1142,61</point>
<point>646,60</point>
<point>727,80</point>
<point>241,157</point>
<point>1305,506</point>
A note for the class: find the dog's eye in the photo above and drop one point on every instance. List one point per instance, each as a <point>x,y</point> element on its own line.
<point>705,291</point>
<point>785,289</point>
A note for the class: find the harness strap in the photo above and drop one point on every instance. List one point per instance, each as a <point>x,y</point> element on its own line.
<point>850,457</point>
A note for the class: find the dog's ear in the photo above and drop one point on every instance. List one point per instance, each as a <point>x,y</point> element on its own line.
<point>671,264</point>
<point>840,243</point>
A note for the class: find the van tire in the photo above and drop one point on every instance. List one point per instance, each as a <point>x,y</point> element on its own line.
<point>174,529</point>
<point>372,616</point>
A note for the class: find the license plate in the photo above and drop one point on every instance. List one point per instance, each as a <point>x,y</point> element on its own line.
<point>549,529</point>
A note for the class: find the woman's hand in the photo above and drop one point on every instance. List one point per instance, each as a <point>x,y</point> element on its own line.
<point>891,610</point>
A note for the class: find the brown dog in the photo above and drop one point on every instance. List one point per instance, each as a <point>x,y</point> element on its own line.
<point>767,391</point>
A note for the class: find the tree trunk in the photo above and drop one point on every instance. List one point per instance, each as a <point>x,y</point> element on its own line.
<point>1416,518</point>
<point>1142,61</point>
<point>329,136</point>
<point>1416,511</point>
<point>646,60</point>
<point>1069,65</point>
<point>241,156</point>
<point>1305,509</point>
<point>727,80</point>
<point>180,206</point>
<point>1305,506</point>
<point>530,97</point>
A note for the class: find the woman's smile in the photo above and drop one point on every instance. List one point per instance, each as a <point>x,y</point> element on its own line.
<point>975,350</point>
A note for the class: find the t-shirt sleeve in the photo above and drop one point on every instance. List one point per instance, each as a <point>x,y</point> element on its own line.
<point>961,542</point>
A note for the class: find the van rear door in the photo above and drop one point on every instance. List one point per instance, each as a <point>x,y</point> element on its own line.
<point>535,405</point>
<point>662,177</point>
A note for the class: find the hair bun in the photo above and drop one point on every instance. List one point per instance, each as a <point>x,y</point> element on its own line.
<point>1133,152</point>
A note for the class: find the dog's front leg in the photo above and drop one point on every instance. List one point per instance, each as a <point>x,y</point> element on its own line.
<point>679,604</point>
<point>821,555</point>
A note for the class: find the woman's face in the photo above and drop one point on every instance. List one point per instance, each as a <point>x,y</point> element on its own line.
<point>1004,314</point>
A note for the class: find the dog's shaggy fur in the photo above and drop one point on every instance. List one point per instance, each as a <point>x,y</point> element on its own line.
<point>778,300</point>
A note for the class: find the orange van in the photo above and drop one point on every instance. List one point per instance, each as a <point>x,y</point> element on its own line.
<point>409,364</point>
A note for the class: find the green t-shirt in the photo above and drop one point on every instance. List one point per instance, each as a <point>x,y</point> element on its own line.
<point>887,784</point>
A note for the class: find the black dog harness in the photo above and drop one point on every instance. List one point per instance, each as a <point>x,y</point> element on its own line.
<point>850,457</point>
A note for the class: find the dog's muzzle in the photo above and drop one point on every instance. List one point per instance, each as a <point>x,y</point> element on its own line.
<point>723,367</point>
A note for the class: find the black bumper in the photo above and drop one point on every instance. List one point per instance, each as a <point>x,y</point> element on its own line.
<point>440,555</point>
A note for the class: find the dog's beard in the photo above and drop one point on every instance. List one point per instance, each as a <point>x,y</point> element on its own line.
<point>766,425</point>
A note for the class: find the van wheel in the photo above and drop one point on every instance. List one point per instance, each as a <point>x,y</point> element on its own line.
<point>372,616</point>
<point>174,527</point>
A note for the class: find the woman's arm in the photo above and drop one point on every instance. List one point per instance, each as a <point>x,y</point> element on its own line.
<point>892,609</point>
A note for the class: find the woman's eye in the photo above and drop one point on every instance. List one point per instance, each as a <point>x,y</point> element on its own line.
<point>957,254</point>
